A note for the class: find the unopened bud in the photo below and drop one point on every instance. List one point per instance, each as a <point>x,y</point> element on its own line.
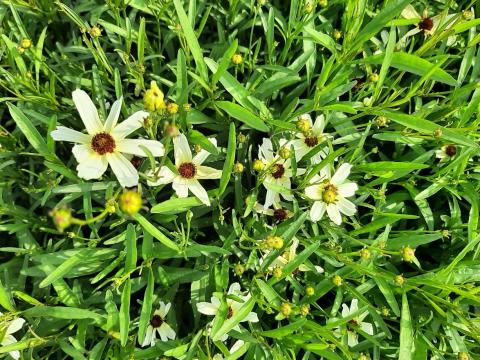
<point>309,6</point>
<point>95,31</point>
<point>130,202</point>
<point>274,242</point>
<point>381,121</point>
<point>62,218</point>
<point>239,269</point>
<point>337,280</point>
<point>374,77</point>
<point>110,206</point>
<point>172,130</point>
<point>304,123</point>
<point>285,153</point>
<point>399,280</point>
<point>26,43</point>
<point>365,254</point>
<point>323,3</point>
<point>237,59</point>
<point>277,272</point>
<point>463,356</point>
<point>258,165</point>
<point>337,34</point>
<point>304,309</point>
<point>172,108</point>
<point>310,290</point>
<point>437,133</point>
<point>408,254</point>
<point>286,309</point>
<point>241,138</point>
<point>238,168</point>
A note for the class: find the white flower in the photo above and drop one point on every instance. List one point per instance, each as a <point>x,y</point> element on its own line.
<point>278,174</point>
<point>159,325</point>
<point>330,193</point>
<point>355,323</point>
<point>11,328</point>
<point>278,212</point>
<point>305,142</point>
<point>105,142</point>
<point>189,171</point>
<point>212,307</point>
<point>446,153</point>
<point>236,346</point>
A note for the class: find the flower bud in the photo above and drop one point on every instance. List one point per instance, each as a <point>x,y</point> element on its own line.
<point>261,2</point>
<point>323,3</point>
<point>304,309</point>
<point>337,280</point>
<point>385,311</point>
<point>399,280</point>
<point>365,254</point>
<point>437,133</point>
<point>20,49</point>
<point>303,123</point>
<point>130,202</point>
<point>258,165</point>
<point>445,233</point>
<point>286,309</point>
<point>237,59</point>
<point>241,138</point>
<point>274,242</point>
<point>310,290</point>
<point>408,254</point>
<point>277,272</point>
<point>285,153</point>
<point>463,356</point>
<point>468,15</point>
<point>153,99</point>
<point>197,148</point>
<point>95,32</point>
<point>381,121</point>
<point>172,108</point>
<point>308,7</point>
<point>172,130</point>
<point>368,101</point>
<point>238,168</point>
<point>62,218</point>
<point>187,107</point>
<point>374,77</point>
<point>363,357</point>
<point>337,34</point>
<point>110,206</point>
<point>239,269</point>
<point>26,43</point>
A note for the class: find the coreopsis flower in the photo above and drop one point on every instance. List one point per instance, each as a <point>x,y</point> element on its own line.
<point>211,308</point>
<point>355,323</point>
<point>307,140</point>
<point>189,170</point>
<point>105,142</point>
<point>278,212</point>
<point>11,327</point>
<point>278,174</point>
<point>159,325</point>
<point>330,192</point>
<point>446,153</point>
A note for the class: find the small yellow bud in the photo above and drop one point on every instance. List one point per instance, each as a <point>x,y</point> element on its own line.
<point>20,49</point>
<point>277,272</point>
<point>187,107</point>
<point>323,3</point>
<point>374,77</point>
<point>238,168</point>
<point>26,43</point>
<point>286,309</point>
<point>337,34</point>
<point>304,309</point>
<point>62,218</point>
<point>130,202</point>
<point>463,356</point>
<point>445,233</point>
<point>303,124</point>
<point>437,133</point>
<point>237,59</point>
<point>197,148</point>
<point>172,130</point>
<point>95,31</point>
<point>261,2</point>
<point>310,290</point>
<point>365,254</point>
<point>368,101</point>
<point>385,311</point>
<point>110,206</point>
<point>274,242</point>
<point>148,122</point>
<point>408,254</point>
<point>172,108</point>
<point>399,280</point>
<point>239,269</point>
<point>468,15</point>
<point>309,6</point>
<point>285,153</point>
<point>337,280</point>
<point>241,138</point>
<point>153,99</point>
<point>363,357</point>
<point>381,121</point>
<point>258,165</point>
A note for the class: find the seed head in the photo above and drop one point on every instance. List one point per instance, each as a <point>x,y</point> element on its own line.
<point>172,130</point>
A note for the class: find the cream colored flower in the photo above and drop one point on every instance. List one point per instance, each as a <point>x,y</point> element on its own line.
<point>10,328</point>
<point>189,170</point>
<point>159,325</point>
<point>329,194</point>
<point>306,141</point>
<point>446,153</point>
<point>105,143</point>
<point>355,323</point>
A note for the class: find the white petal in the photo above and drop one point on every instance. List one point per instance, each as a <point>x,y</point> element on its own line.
<point>252,317</point>
<point>7,340</point>
<point>62,133</point>
<point>83,152</point>
<point>132,123</point>
<point>203,154</point>
<point>367,327</point>
<point>113,115</point>
<point>346,207</point>
<point>207,308</point>
<point>238,344</point>
<point>334,214</point>
<point>166,332</point>
<point>317,210</point>
<point>161,310</point>
<point>352,338</point>
<point>205,172</point>
<point>180,186</point>
<point>354,305</point>
<point>148,336</point>
<point>198,190</point>
<point>15,325</point>
<point>319,124</point>
<point>132,146</point>
<point>341,174</point>
<point>92,165</point>
<point>347,189</point>
<point>123,169</point>
<point>88,112</point>
<point>265,151</point>
<point>165,176</point>
<point>167,308</point>
<point>345,310</point>
<point>410,13</point>
<point>270,198</point>
<point>234,289</point>
<point>182,150</point>
<point>314,192</point>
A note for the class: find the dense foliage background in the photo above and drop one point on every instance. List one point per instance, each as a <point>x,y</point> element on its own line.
<point>390,103</point>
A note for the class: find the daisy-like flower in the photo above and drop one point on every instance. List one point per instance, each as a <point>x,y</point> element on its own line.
<point>330,192</point>
<point>11,327</point>
<point>355,323</point>
<point>307,140</point>
<point>446,153</point>
<point>189,171</point>
<point>212,307</point>
<point>106,141</point>
<point>278,174</point>
<point>278,212</point>
<point>159,325</point>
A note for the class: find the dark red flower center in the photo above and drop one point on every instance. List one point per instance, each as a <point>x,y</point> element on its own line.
<point>426,24</point>
<point>187,170</point>
<point>280,214</point>
<point>136,161</point>
<point>450,150</point>
<point>230,312</point>
<point>277,171</point>
<point>156,321</point>
<point>311,141</point>
<point>103,143</point>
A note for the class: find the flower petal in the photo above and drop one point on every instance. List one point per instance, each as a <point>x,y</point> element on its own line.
<point>252,317</point>
<point>347,189</point>
<point>113,116</point>
<point>270,198</point>
<point>83,152</point>
<point>180,186</point>
<point>352,338</point>
<point>265,151</point>
<point>319,124</point>
<point>317,210</point>
<point>62,133</point>
<point>132,146</point>
<point>148,336</point>
<point>88,111</point>
<point>354,305</point>
<point>205,172</point>
<point>165,176</point>
<point>345,310</point>
<point>234,289</point>
<point>207,308</point>
<point>341,174</point>
<point>132,123</point>
<point>346,207</point>
<point>7,340</point>
<point>182,150</point>
<point>334,214</point>
<point>166,332</point>
<point>123,169</point>
<point>197,189</point>
<point>15,325</point>
<point>367,327</point>
<point>203,154</point>
<point>92,165</point>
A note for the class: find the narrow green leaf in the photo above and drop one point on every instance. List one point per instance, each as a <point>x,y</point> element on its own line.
<point>229,160</point>
<point>157,234</point>
<point>131,249</point>
<point>238,316</point>
<point>146,307</point>
<point>406,331</point>
<point>244,115</point>
<point>125,313</point>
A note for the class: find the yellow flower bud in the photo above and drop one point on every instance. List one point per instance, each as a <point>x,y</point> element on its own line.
<point>437,133</point>
<point>110,206</point>
<point>62,218</point>
<point>363,357</point>
<point>385,311</point>
<point>258,165</point>
<point>337,34</point>
<point>130,202</point>
<point>239,269</point>
<point>26,43</point>
<point>277,272</point>
<point>310,290</point>
<point>408,254</point>
<point>95,31</point>
<point>286,309</point>
<point>365,254</point>
<point>374,77</point>
<point>172,108</point>
<point>20,49</point>
<point>468,15</point>
<point>238,168</point>
<point>241,138</point>
<point>303,124</point>
<point>308,7</point>
<point>304,309</point>
<point>153,99</point>
<point>237,59</point>
<point>197,148</point>
<point>323,3</point>
<point>463,356</point>
<point>274,242</point>
<point>285,153</point>
<point>399,280</point>
<point>381,121</point>
<point>337,280</point>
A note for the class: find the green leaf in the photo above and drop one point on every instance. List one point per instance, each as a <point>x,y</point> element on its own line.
<point>224,62</point>
<point>63,269</point>
<point>157,234</point>
<point>229,159</point>
<point>244,115</point>
<point>146,307</point>
<point>284,330</point>
<point>125,313</point>
<point>197,138</point>
<point>389,166</point>
<point>5,300</point>
<point>176,205</point>
<point>62,312</point>
<point>406,331</point>
<point>388,293</point>
<point>322,39</point>
<point>238,316</point>
<point>131,249</point>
